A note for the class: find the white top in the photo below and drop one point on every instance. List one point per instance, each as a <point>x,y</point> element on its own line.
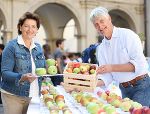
<point>124,46</point>
<point>34,88</point>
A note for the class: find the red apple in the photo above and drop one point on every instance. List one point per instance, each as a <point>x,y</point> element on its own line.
<point>137,111</point>
<point>107,92</point>
<point>59,98</point>
<point>76,65</point>
<point>93,67</point>
<point>99,93</point>
<point>145,110</point>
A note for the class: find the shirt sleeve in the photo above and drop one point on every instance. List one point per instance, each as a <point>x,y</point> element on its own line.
<point>135,51</point>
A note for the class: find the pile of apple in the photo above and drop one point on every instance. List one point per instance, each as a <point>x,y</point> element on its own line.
<point>125,104</point>
<point>51,68</point>
<point>93,104</point>
<point>80,68</point>
<point>53,100</point>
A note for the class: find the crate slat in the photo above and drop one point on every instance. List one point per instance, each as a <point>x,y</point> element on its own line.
<point>82,82</point>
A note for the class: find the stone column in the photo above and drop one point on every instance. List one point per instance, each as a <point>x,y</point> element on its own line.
<point>7,36</point>
<point>147,4</point>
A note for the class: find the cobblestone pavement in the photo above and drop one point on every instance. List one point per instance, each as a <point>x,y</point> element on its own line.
<point>1,109</point>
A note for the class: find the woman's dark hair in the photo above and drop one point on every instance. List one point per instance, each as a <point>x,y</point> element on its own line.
<point>28,15</point>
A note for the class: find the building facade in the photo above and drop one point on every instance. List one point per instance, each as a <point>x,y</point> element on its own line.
<point>55,14</point>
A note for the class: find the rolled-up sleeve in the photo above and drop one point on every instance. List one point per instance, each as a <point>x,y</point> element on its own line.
<point>136,55</point>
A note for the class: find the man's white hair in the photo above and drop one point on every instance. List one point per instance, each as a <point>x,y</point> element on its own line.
<point>97,12</point>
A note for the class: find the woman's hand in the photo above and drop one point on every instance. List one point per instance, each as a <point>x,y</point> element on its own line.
<point>28,77</point>
<point>104,69</point>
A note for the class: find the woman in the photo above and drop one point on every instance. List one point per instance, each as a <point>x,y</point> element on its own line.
<point>20,58</point>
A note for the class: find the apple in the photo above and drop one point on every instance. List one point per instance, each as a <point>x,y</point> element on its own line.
<point>59,98</point>
<point>104,96</point>
<point>145,110</point>
<point>107,92</point>
<point>87,66</point>
<point>99,93</point>
<point>101,111</point>
<point>50,62</point>
<point>61,104</point>
<point>78,97</point>
<point>92,71</point>
<point>137,111</point>
<point>54,111</point>
<point>93,108</point>
<point>136,105</point>
<point>76,70</point>
<point>109,99</point>
<point>125,106</point>
<point>40,71</point>
<point>70,65</point>
<point>109,109</point>
<point>49,104</point>
<point>43,84</point>
<point>44,92</point>
<point>83,69</point>
<point>52,70</point>
<point>76,65</point>
<point>67,111</point>
<point>93,99</point>
<point>93,67</point>
<point>69,70</point>
<point>116,103</point>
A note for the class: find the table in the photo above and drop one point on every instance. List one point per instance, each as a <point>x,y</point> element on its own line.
<point>38,107</point>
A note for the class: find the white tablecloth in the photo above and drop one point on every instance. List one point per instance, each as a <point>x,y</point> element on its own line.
<point>37,107</point>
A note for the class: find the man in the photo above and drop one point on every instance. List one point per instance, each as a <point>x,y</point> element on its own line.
<point>121,58</point>
<point>59,57</point>
<point>1,49</point>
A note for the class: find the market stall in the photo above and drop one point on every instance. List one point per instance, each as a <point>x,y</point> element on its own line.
<point>38,107</point>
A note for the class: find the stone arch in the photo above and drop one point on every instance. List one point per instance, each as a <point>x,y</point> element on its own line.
<point>53,20</point>
<point>125,20</point>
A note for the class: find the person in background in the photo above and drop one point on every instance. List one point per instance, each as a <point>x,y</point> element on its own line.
<point>20,58</point>
<point>47,51</point>
<point>1,49</point>
<point>120,57</point>
<point>77,57</point>
<point>59,57</point>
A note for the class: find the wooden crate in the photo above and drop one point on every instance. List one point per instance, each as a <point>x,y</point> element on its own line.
<point>81,82</point>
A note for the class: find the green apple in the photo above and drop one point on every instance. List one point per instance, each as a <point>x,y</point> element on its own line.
<point>110,110</point>
<point>67,111</point>
<point>50,62</point>
<point>125,106</point>
<point>54,111</point>
<point>52,70</point>
<point>92,71</point>
<point>76,70</point>
<point>116,103</point>
<point>49,104</point>
<point>136,105</point>
<point>61,104</point>
<point>40,71</point>
<point>93,108</point>
<point>83,69</point>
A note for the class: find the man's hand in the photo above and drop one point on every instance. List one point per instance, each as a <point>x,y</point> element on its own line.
<point>100,83</point>
<point>28,77</point>
<point>104,69</point>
